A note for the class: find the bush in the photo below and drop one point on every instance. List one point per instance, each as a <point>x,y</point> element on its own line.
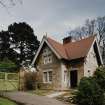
<point>89,92</point>
<point>99,76</point>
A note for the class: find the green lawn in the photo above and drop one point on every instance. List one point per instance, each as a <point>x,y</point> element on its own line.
<point>4,101</point>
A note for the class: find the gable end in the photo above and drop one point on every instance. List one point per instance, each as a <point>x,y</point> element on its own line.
<point>44,40</point>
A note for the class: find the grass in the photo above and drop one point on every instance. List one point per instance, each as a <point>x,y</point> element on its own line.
<point>4,101</point>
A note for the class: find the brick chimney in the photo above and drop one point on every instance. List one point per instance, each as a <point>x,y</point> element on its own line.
<point>67,39</point>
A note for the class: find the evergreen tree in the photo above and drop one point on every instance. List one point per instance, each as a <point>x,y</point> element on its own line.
<point>23,40</point>
<point>4,44</point>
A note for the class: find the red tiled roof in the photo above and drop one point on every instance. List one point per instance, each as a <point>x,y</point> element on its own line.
<point>58,47</point>
<point>72,50</point>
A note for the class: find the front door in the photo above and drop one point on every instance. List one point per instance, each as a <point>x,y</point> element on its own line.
<point>73,78</point>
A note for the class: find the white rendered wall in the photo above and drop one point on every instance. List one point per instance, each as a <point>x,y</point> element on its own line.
<point>90,63</point>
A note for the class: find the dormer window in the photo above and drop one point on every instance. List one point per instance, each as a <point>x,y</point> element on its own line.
<point>47,56</point>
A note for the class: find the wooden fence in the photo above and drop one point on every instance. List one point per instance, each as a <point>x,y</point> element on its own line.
<point>23,80</point>
<point>9,81</point>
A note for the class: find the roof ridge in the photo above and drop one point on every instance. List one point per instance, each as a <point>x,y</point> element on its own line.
<point>72,50</point>
<point>54,40</point>
<point>86,38</point>
<point>72,42</point>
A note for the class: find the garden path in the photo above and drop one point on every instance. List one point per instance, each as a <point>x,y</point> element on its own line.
<point>29,99</point>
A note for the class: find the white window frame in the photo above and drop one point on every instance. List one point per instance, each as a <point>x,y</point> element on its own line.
<point>47,59</point>
<point>65,76</point>
<point>48,81</point>
<point>44,78</point>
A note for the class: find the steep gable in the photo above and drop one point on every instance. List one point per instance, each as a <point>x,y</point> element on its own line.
<point>44,40</point>
<point>92,60</point>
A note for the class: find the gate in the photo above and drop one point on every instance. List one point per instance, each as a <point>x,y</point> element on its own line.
<point>9,81</point>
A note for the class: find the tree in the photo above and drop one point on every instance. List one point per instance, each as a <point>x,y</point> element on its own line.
<point>23,40</point>
<point>7,65</point>
<point>89,92</point>
<point>5,48</point>
<point>4,44</point>
<point>12,2</point>
<point>84,31</point>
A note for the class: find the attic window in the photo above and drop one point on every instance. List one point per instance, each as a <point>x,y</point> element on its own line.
<point>47,57</point>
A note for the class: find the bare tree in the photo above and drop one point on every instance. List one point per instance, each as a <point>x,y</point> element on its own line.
<point>12,2</point>
<point>86,30</point>
<point>90,27</point>
<point>101,29</point>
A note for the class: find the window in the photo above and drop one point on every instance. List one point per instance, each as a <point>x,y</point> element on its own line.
<point>47,76</point>
<point>65,76</point>
<point>50,76</point>
<point>47,56</point>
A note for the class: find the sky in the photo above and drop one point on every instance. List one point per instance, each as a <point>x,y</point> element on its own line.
<point>54,17</point>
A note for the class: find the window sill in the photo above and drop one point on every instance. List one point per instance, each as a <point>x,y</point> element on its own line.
<point>47,82</point>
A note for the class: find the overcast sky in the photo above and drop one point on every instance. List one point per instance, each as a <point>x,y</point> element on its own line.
<point>55,17</point>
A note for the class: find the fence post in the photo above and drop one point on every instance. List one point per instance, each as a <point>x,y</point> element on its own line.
<point>21,79</point>
<point>6,76</point>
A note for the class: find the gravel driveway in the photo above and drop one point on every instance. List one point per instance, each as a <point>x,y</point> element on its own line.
<point>29,99</point>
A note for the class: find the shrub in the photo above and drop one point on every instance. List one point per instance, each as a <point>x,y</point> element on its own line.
<point>99,76</point>
<point>89,92</point>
